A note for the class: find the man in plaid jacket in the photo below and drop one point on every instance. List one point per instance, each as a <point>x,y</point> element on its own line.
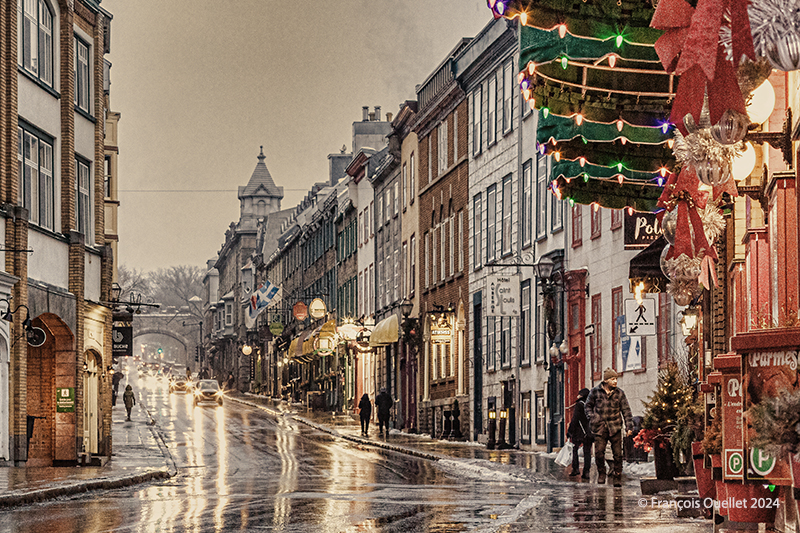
<point>606,406</point>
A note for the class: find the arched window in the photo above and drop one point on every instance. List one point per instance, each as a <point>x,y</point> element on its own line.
<point>35,39</point>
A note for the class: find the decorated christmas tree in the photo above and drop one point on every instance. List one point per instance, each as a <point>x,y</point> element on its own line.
<point>663,407</point>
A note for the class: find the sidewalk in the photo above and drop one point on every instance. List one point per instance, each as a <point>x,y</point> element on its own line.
<point>139,455</point>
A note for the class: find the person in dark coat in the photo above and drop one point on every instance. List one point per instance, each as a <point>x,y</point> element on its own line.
<point>606,408</point>
<point>365,412</point>
<point>129,400</point>
<point>580,433</point>
<point>231,382</point>
<point>384,404</point>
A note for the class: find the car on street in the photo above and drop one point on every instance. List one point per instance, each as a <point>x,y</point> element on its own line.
<point>207,390</point>
<point>180,384</point>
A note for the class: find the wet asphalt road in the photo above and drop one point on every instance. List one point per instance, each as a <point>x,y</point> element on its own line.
<point>241,470</point>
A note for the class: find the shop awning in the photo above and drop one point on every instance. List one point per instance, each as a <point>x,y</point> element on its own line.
<point>386,332</point>
<point>297,349</point>
<point>645,267</point>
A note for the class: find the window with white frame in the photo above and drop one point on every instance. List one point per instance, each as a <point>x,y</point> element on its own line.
<point>396,291</point>
<point>82,81</point>
<point>526,209</point>
<point>435,347</point>
<point>371,289</point>
<point>525,331</point>
<point>491,110</point>
<point>412,281</point>
<point>505,341</point>
<point>452,247</point>
<point>498,116</point>
<point>442,150</point>
<point>455,136</point>
<point>228,313</point>
<point>37,187</point>
<point>361,306</point>
<point>427,264</point>
<point>556,208</point>
<point>35,39</point>
<point>541,417</point>
<point>491,349</point>
<point>430,158</point>
<point>412,178</point>
<point>477,114</point>
<point>507,209</point>
<point>508,96</point>
<point>541,197</point>
<point>477,231</point>
<point>396,198</point>
<point>404,177</point>
<point>404,281</point>
<point>387,205</point>
<point>442,245</point>
<point>491,222</point>
<point>526,417</point>
<point>82,190</point>
<point>540,336</point>
<point>460,241</point>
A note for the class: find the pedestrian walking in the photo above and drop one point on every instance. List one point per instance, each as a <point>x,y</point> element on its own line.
<point>231,383</point>
<point>606,407</point>
<point>129,400</point>
<point>580,433</point>
<point>188,374</point>
<point>384,404</point>
<point>203,374</point>
<point>365,412</point>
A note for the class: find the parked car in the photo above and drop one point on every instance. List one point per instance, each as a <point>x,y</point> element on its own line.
<point>180,384</point>
<point>207,390</point>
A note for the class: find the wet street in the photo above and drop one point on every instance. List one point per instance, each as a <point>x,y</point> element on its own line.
<point>241,469</point>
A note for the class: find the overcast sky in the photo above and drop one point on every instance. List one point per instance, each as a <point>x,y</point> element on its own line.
<point>201,85</point>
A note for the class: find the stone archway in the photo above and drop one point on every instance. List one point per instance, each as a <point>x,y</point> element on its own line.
<point>51,369</point>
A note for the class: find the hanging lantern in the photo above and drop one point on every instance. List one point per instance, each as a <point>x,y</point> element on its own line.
<point>669,224</point>
<point>731,128</point>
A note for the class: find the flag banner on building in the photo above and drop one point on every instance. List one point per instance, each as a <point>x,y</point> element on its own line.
<point>259,300</point>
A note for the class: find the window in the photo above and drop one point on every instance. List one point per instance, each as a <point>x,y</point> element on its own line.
<point>412,181</point>
<point>577,225</point>
<point>37,187</point>
<point>460,241</point>
<point>451,230</point>
<point>556,210</point>
<point>526,418</point>
<point>361,291</point>
<point>508,100</point>
<point>616,219</point>
<point>35,39</point>
<point>664,329</point>
<point>396,198</point>
<point>491,111</point>
<point>541,418</point>
<point>507,208</point>
<point>434,253</point>
<point>540,334</point>
<point>380,208</point>
<point>442,149</point>
<point>491,353</point>
<point>477,114</point>
<point>477,230</point>
<point>505,341</point>
<point>526,208</point>
<point>443,230</point>
<point>396,291</point>
<point>388,205</point>
<point>427,260</point>
<point>412,266</point>
<point>81,75</point>
<point>455,136</point>
<point>541,197</point>
<point>405,284</point>
<point>596,220</point>
<point>491,215</point>
<point>525,323</point>
<point>595,343</point>
<point>370,281</point>
<point>404,177</point>
<point>228,313</point>
<point>430,158</point>
<point>82,197</point>
<point>498,116</point>
<point>617,322</point>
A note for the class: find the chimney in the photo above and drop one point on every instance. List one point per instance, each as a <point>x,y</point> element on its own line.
<point>388,117</point>
<point>378,113</point>
<point>371,116</point>
<point>365,113</point>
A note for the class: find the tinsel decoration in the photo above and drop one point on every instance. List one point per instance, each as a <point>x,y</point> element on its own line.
<point>711,160</point>
<point>713,221</point>
<point>775,27</point>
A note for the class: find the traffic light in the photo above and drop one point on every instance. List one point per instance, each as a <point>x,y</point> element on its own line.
<point>196,354</point>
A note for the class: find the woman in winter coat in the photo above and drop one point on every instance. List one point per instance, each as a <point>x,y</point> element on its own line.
<point>365,412</point>
<point>580,433</point>
<point>129,400</point>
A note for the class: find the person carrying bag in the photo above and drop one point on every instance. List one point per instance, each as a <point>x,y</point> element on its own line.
<point>579,432</point>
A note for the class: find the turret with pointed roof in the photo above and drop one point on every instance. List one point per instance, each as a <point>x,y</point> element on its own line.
<point>260,196</point>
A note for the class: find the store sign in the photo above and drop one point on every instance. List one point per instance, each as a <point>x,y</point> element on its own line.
<point>300,311</point>
<point>641,230</point>
<point>65,400</point>
<point>504,295</point>
<point>441,335</point>
<point>276,328</point>
<point>317,309</point>
<point>122,340</point>
<point>731,402</point>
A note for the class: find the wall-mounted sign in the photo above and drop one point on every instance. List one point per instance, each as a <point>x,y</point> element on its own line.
<point>317,309</point>
<point>441,330</point>
<point>641,230</point>
<point>122,340</point>
<point>300,311</point>
<point>640,317</point>
<point>65,400</point>
<point>276,328</point>
<point>504,295</point>
<point>629,348</point>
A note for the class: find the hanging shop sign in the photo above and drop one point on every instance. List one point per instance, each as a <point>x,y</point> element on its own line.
<point>276,328</point>
<point>317,309</point>
<point>300,311</point>
<point>65,400</point>
<point>640,317</point>
<point>641,229</point>
<point>122,339</point>
<point>441,330</point>
<point>504,295</point>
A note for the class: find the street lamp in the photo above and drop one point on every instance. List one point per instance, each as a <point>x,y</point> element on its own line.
<point>545,270</point>
<point>406,307</point>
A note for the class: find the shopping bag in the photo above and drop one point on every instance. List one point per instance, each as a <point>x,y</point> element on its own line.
<point>564,457</point>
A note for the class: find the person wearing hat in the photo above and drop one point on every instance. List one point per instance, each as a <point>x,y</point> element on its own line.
<point>606,407</point>
<point>580,434</point>
<point>384,404</point>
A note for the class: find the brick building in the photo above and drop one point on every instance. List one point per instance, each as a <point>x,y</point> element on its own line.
<point>441,127</point>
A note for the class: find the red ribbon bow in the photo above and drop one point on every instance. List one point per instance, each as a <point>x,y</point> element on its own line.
<point>682,192</point>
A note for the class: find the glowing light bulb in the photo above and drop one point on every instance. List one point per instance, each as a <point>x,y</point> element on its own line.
<point>619,41</point>
<point>545,112</point>
<point>532,104</point>
<point>585,177</point>
<point>523,18</point>
<point>630,211</point>
<point>660,182</point>
<point>665,128</point>
<point>557,191</point>
<point>595,206</point>
<point>542,149</point>
<point>619,167</point>
<point>562,30</point>
<point>620,124</point>
<point>520,77</point>
<point>670,143</point>
<point>557,156</point>
<point>623,140</point>
<point>663,171</point>
<point>500,8</point>
<point>582,161</point>
<point>564,62</point>
<point>525,84</point>
<point>531,67</point>
<point>578,119</point>
<point>527,94</point>
<point>612,60</point>
<point>620,178</point>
